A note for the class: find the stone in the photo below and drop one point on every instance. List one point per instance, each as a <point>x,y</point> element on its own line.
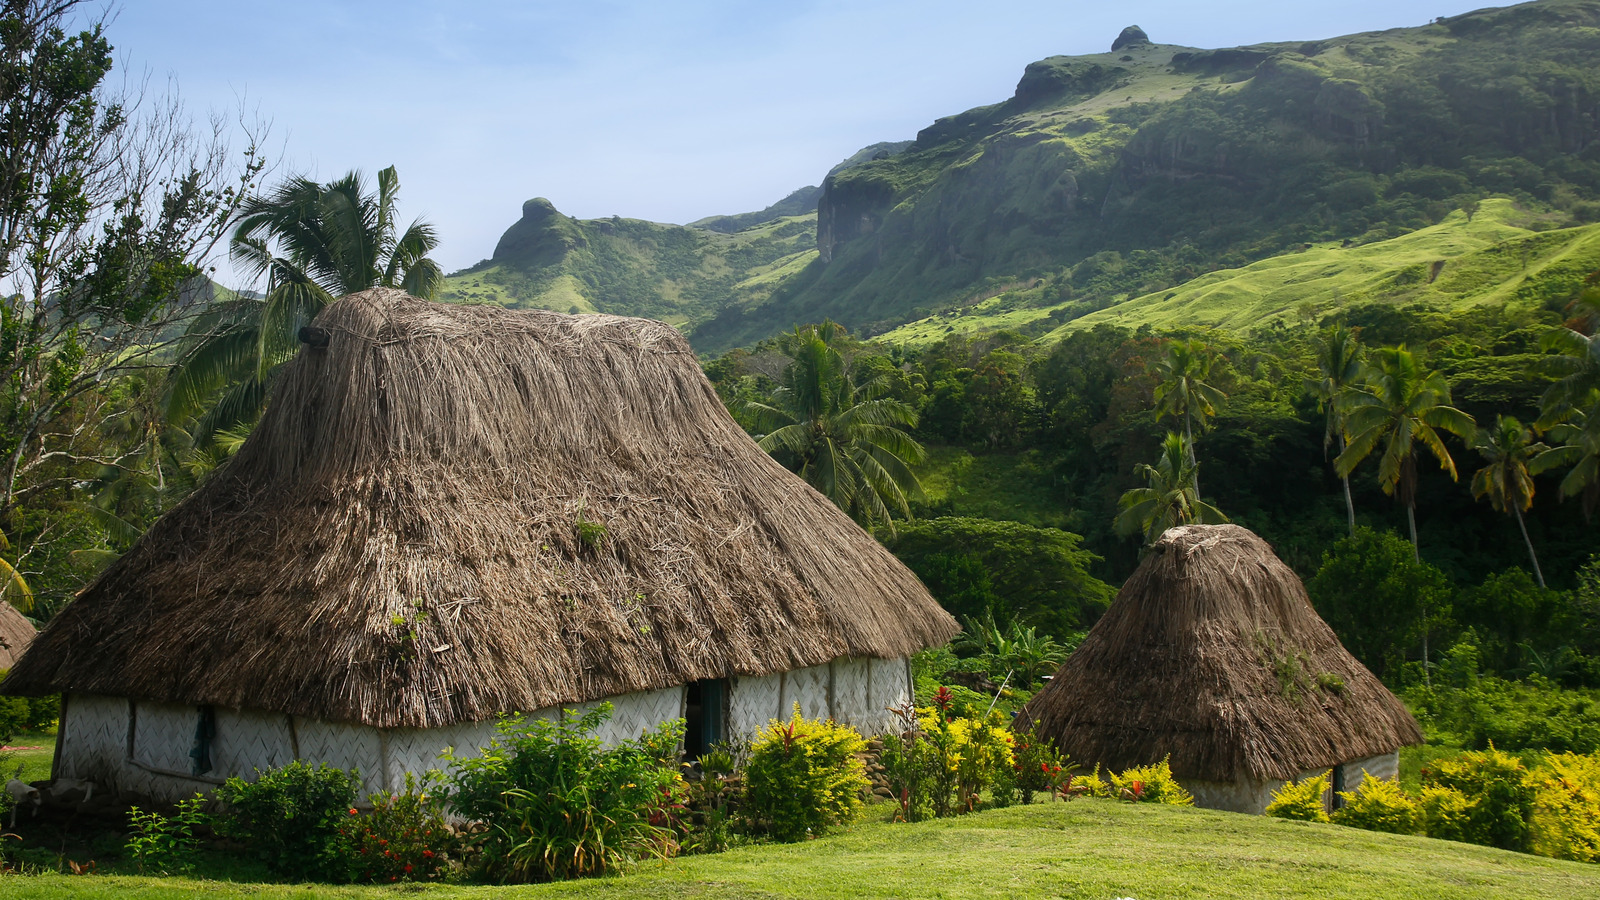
<point>1132,36</point>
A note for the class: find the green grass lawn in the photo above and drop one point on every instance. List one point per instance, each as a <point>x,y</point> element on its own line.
<point>1085,848</point>
<point>35,761</point>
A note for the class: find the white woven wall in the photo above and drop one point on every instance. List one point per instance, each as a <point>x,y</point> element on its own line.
<point>809,688</point>
<point>93,736</point>
<point>164,734</point>
<point>753,702</point>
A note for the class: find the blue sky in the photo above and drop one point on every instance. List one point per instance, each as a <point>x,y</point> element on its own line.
<point>668,111</point>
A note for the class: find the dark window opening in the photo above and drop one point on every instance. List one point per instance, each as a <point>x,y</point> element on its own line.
<point>705,716</point>
<point>205,731</point>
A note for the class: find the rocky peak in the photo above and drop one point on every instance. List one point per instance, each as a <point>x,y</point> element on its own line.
<point>1132,36</point>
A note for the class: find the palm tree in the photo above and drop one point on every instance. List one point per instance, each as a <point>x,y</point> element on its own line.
<point>13,587</point>
<point>1571,407</point>
<point>1184,393</point>
<point>1339,362</point>
<point>846,440</point>
<point>314,243</point>
<point>1506,480</point>
<point>1169,496</point>
<point>1399,404</point>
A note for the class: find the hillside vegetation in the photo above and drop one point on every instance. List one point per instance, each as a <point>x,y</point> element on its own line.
<point>1124,176</point>
<point>1089,849</point>
<point>1503,254</point>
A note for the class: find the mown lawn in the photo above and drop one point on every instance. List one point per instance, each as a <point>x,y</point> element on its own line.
<point>1085,848</point>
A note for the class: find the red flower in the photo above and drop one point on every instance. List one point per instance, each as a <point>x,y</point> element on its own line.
<point>408,868</point>
<point>942,698</point>
<point>428,854</point>
<point>352,811</point>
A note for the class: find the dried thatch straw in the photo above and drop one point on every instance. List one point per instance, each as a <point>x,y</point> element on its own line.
<point>452,511</point>
<point>15,634</point>
<point>1212,653</point>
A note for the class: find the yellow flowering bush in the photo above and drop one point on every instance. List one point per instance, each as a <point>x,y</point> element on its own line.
<point>972,755</point>
<point>1300,800</point>
<point>1566,808</point>
<point>1148,784</point>
<point>804,777</point>
<point>1379,804</point>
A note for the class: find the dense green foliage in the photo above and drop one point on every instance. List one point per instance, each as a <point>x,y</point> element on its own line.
<point>290,818</point>
<point>556,803</point>
<point>1300,800</point>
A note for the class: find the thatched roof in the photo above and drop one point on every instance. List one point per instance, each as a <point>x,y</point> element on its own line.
<point>1212,653</point>
<point>15,634</point>
<point>448,512</point>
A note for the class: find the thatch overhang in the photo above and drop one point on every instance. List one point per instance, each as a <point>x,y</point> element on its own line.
<point>1212,654</point>
<point>16,632</point>
<point>449,512</point>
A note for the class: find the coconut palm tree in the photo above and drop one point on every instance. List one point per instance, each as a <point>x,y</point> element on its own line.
<point>13,587</point>
<point>1570,410</point>
<point>1184,394</point>
<point>1509,449</point>
<point>1339,363</point>
<point>846,440</point>
<point>1169,496</point>
<point>1399,405</point>
<point>313,243</point>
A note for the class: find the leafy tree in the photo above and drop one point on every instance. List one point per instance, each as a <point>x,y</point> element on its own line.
<point>847,441</point>
<point>1339,365</point>
<point>1008,571</point>
<point>1399,404</point>
<point>1184,394</point>
<point>1378,597</point>
<point>1169,496</point>
<point>1508,449</point>
<point>314,243</point>
<point>110,205</point>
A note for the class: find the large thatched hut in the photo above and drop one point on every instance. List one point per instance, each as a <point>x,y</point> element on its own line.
<point>1212,655</point>
<point>452,512</point>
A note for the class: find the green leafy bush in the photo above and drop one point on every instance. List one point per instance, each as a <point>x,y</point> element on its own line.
<point>1040,767</point>
<point>165,845</point>
<point>913,767</point>
<point>405,837</point>
<point>291,816</point>
<point>803,777</point>
<point>555,803</point>
<point>1148,784</point>
<point>1566,809</point>
<point>19,714</point>
<point>1300,800</point>
<point>1379,804</point>
<point>1499,793</point>
<point>1532,714</point>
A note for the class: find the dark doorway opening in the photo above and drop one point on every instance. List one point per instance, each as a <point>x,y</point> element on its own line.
<point>705,716</point>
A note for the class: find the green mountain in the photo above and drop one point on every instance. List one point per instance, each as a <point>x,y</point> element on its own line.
<point>1149,171</point>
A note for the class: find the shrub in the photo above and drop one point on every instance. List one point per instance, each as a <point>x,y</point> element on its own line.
<point>1040,767</point>
<point>1379,805</point>
<point>1446,814</point>
<point>1300,800</point>
<point>19,714</point>
<point>165,845</point>
<point>913,767</point>
<point>1566,809</point>
<point>556,803</point>
<point>405,838</point>
<point>974,753</point>
<point>1534,714</point>
<point>290,817</point>
<point>803,778</point>
<point>1499,792</point>
<point>1148,784</point>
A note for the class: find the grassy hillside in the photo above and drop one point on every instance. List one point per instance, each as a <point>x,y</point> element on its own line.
<point>631,267</point>
<point>1128,173</point>
<point>1504,254</point>
<point>1087,849</point>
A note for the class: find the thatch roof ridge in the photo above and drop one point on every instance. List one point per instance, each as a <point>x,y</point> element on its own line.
<point>1212,654</point>
<point>450,512</point>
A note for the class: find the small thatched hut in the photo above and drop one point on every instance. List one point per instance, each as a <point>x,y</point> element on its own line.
<point>1211,654</point>
<point>452,512</point>
<point>16,632</point>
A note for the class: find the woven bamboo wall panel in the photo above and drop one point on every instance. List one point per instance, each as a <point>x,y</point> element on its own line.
<point>754,701</point>
<point>250,741</point>
<point>94,736</point>
<point>164,735</point>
